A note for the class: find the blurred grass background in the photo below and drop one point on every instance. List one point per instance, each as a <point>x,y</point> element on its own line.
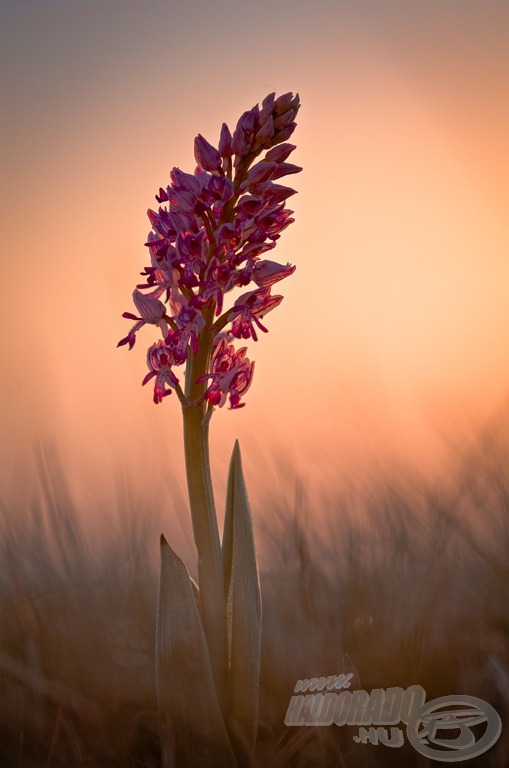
<point>409,578</point>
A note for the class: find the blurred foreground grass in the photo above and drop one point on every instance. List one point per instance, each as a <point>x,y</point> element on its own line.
<point>411,581</point>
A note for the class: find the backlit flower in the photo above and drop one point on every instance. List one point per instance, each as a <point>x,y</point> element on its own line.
<point>247,311</point>
<point>151,310</point>
<point>232,374</point>
<point>209,236</point>
<point>160,358</point>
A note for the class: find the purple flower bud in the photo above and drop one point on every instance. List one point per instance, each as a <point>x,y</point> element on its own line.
<point>280,153</point>
<point>225,141</point>
<point>259,173</point>
<point>241,144</point>
<point>269,100</point>
<point>206,155</point>
<point>162,197</point>
<point>285,102</point>
<point>266,132</point>
<point>276,192</point>
<point>244,132</point>
<point>283,120</point>
<point>284,169</point>
<point>185,181</point>
<point>267,108</point>
<point>283,135</point>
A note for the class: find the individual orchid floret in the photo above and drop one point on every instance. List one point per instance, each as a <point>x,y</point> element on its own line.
<point>276,193</point>
<point>190,322</point>
<point>151,310</point>
<point>247,311</point>
<point>269,272</point>
<point>160,358</point>
<point>219,188</point>
<point>232,374</point>
<point>218,279</point>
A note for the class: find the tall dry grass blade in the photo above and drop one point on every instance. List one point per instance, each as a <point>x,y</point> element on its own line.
<point>242,587</point>
<point>193,733</point>
<point>53,690</point>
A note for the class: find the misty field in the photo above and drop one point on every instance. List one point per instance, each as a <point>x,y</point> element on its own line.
<point>405,583</point>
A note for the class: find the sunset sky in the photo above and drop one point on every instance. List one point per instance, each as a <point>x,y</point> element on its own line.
<point>393,332</point>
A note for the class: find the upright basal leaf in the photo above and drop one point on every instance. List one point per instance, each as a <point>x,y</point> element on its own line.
<point>193,733</point>
<point>242,588</point>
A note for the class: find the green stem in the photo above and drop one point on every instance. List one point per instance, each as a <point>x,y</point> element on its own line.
<point>203,512</point>
<point>196,418</point>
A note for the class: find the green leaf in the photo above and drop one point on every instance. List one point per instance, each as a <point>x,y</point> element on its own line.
<point>193,732</point>
<point>242,591</point>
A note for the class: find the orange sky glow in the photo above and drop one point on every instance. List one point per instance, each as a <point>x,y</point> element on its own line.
<point>393,332</point>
